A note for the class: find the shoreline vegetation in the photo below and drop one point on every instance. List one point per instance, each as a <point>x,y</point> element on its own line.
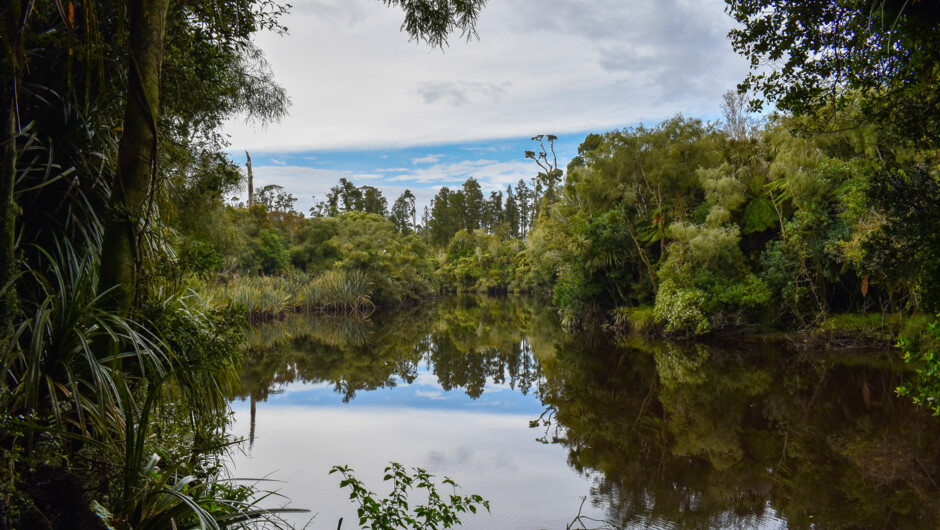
<point>267,298</point>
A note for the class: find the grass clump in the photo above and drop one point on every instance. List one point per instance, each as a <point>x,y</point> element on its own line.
<point>272,297</point>
<point>640,319</point>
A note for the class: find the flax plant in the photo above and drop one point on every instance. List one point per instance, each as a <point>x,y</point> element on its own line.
<point>63,382</point>
<point>271,297</point>
<point>54,364</point>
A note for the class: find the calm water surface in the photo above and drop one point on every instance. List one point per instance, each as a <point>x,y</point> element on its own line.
<point>491,392</point>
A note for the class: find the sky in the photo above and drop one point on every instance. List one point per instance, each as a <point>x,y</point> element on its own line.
<point>379,110</point>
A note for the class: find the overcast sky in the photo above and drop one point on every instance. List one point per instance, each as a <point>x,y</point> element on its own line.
<point>380,110</point>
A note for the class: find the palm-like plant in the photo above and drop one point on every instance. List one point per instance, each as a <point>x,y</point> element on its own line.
<point>57,360</point>
<point>87,376</point>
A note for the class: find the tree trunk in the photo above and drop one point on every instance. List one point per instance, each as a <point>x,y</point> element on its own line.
<point>251,182</point>
<point>7,215</point>
<point>137,152</point>
<point>14,14</point>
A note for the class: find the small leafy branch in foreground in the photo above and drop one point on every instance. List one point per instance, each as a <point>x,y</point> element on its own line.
<point>924,388</point>
<point>393,512</point>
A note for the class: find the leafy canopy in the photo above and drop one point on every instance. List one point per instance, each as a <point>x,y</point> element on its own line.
<point>823,55</point>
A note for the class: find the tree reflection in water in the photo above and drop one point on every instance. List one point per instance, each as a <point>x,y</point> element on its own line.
<point>673,435</point>
<point>700,436</point>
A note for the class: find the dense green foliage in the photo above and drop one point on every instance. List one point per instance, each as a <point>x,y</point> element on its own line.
<point>712,226</point>
<point>114,375</point>
<point>924,389</point>
<point>112,396</point>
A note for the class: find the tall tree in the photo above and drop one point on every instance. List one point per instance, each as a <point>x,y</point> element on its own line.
<point>403,212</point>
<point>350,195</point>
<point>373,201</point>
<point>493,211</point>
<point>511,213</point>
<point>128,206</point>
<point>442,223</point>
<point>458,208</point>
<point>524,204</point>
<point>739,125</point>
<point>473,204</point>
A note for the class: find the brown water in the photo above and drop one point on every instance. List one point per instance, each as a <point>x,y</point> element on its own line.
<point>493,393</point>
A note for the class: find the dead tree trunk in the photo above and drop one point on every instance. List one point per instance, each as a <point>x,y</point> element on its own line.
<point>251,182</point>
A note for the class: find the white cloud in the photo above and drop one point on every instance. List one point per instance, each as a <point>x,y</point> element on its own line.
<point>427,159</point>
<point>566,66</point>
<point>489,149</point>
<point>431,395</point>
<point>492,175</point>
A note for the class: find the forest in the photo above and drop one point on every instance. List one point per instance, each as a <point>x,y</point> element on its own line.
<point>128,276</point>
<point>685,228</point>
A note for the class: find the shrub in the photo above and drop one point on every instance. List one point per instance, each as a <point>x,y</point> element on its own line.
<point>682,311</point>
<point>394,511</point>
<point>924,387</point>
<point>271,252</point>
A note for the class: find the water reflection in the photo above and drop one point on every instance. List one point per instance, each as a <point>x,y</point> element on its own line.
<point>700,436</point>
<point>668,435</point>
<point>467,340</point>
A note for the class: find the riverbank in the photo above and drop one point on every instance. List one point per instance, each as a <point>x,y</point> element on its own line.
<point>846,331</point>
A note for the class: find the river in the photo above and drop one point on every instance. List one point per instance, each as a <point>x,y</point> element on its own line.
<point>549,425</point>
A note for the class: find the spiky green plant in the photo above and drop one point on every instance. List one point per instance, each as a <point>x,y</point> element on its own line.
<point>54,362</point>
<point>79,375</point>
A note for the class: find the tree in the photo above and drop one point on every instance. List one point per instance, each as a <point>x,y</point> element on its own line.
<point>349,194</point>
<point>493,211</point>
<point>432,21</point>
<point>473,204</point>
<point>403,212</point>
<point>137,152</point>
<point>907,243</point>
<point>458,209</point>
<point>511,213</point>
<point>525,207</point>
<point>373,201</point>
<point>738,124</point>
<point>880,56</point>
<point>442,223</point>
<point>550,174</point>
